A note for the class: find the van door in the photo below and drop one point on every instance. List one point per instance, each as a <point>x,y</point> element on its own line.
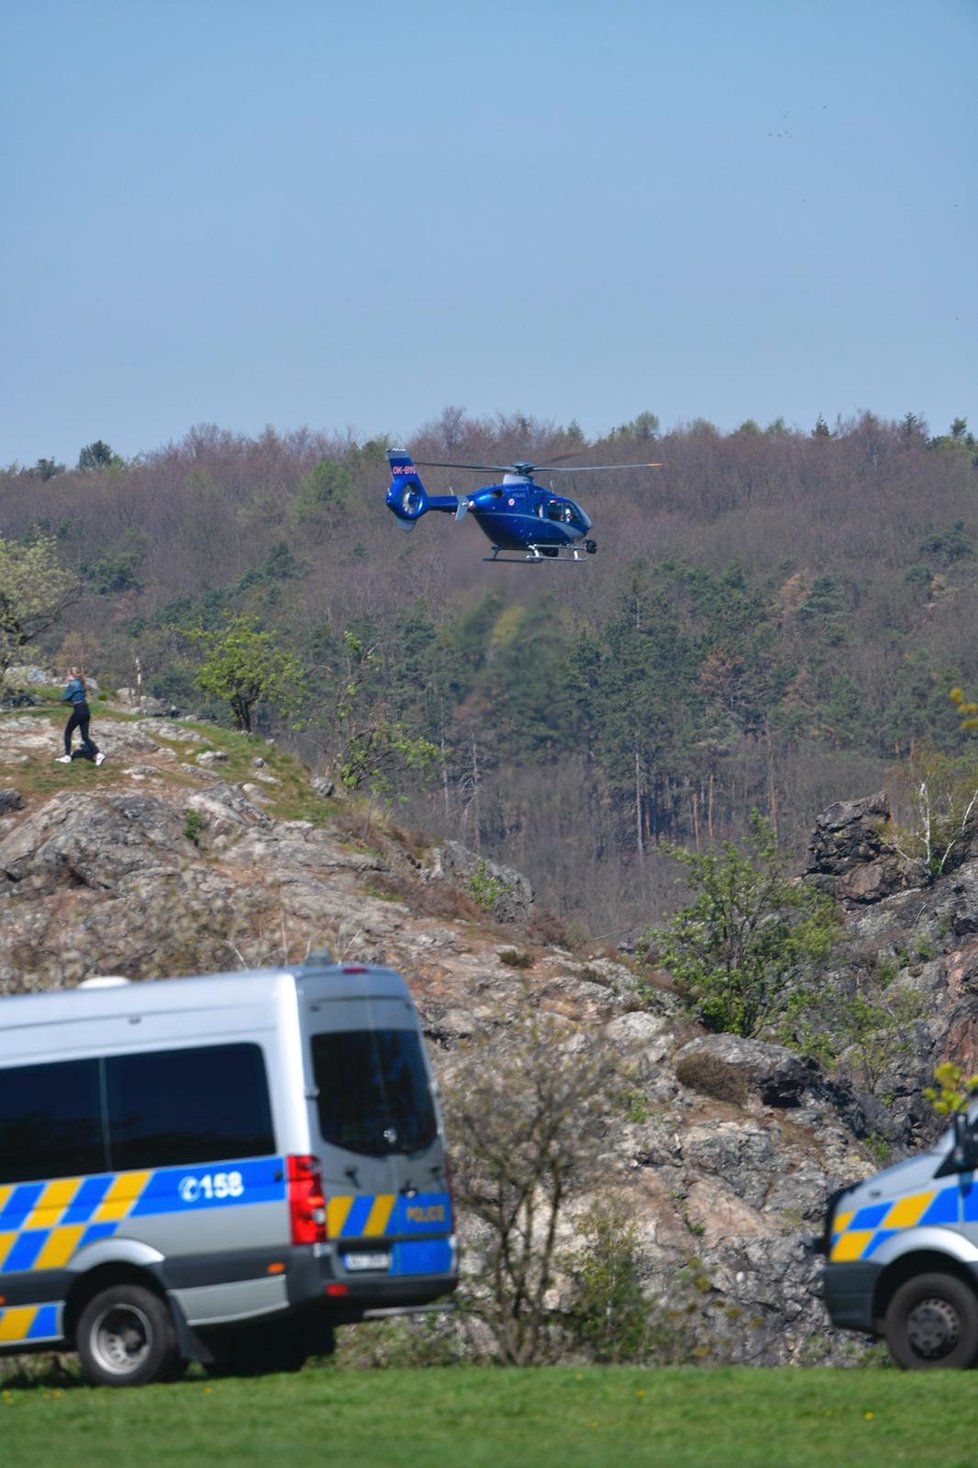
<point>388,1208</point>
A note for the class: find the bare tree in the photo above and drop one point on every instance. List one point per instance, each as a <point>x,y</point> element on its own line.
<point>527,1114</point>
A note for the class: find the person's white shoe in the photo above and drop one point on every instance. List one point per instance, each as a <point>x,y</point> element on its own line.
<point>99,757</point>
<point>64,759</point>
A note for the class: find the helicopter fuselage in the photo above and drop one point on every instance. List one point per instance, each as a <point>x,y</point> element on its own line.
<point>518,514</point>
<point>515,515</point>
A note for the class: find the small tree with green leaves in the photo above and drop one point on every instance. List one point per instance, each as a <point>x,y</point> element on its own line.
<point>372,744</point>
<point>607,1312</point>
<point>98,456</point>
<point>941,808</point>
<point>952,1091</point>
<point>750,937</point>
<point>324,495</point>
<point>35,592</point>
<point>244,666</point>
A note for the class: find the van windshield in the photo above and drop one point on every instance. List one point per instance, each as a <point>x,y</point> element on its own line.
<point>374,1096</point>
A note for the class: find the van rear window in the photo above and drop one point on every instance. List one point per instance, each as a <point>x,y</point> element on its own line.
<point>374,1096</point>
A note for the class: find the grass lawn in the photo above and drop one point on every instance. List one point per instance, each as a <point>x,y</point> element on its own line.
<point>533,1418</point>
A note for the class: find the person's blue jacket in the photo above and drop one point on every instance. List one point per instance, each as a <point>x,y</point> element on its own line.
<point>75,692</point>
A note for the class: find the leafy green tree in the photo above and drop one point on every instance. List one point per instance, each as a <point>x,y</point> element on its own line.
<point>607,1311</point>
<point>643,428</point>
<point>46,469</point>
<point>470,644</point>
<point>97,456</point>
<point>824,610</point>
<point>534,684</point>
<point>953,543</point>
<point>916,710</point>
<point>940,795</point>
<point>35,592</point>
<point>372,743</point>
<point>651,707</point>
<point>750,938</point>
<point>416,670</point>
<point>325,492</point>
<point>953,1090</point>
<point>117,570</point>
<point>957,439</point>
<point>244,666</point>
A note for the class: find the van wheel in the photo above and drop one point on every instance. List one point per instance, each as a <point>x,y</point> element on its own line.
<point>126,1337</point>
<point>932,1321</point>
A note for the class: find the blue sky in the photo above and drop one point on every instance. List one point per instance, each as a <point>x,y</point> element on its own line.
<point>349,216</point>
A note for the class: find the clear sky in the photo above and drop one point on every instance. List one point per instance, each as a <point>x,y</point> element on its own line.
<point>349,214</point>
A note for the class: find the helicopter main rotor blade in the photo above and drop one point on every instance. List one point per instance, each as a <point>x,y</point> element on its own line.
<point>591,468</point>
<point>479,468</point>
<point>527,469</point>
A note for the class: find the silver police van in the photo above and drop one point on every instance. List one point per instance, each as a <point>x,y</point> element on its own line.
<point>217,1168</point>
<point>902,1253</point>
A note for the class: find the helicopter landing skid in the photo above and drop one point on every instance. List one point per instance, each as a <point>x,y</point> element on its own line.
<point>537,555</point>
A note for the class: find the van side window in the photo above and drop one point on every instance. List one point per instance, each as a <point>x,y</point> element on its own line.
<point>180,1106</point>
<point>50,1123</point>
<point>374,1096</point>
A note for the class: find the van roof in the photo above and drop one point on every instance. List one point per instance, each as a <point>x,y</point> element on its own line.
<point>197,991</point>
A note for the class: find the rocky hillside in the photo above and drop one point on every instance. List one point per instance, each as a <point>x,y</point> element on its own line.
<point>191,850</point>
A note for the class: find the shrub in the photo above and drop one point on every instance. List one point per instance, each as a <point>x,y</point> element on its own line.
<point>749,939</point>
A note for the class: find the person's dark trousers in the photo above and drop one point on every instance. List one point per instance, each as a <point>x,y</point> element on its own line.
<point>80,719</point>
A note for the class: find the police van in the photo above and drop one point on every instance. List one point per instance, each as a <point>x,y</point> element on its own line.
<point>902,1253</point>
<point>217,1168</point>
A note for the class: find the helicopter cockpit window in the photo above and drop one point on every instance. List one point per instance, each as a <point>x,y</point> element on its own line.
<point>562,512</point>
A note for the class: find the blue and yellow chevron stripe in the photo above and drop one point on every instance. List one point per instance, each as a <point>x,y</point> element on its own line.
<point>44,1225</point>
<point>30,1323</point>
<point>859,1233</point>
<point>371,1216</point>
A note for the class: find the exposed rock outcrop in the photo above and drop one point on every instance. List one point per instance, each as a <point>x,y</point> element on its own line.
<point>156,863</point>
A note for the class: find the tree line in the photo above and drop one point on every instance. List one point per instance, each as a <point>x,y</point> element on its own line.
<point>773,620</point>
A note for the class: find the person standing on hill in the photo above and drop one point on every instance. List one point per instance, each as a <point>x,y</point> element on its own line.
<point>77,695</point>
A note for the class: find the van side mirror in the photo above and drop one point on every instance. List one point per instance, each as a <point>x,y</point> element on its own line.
<point>965,1150</point>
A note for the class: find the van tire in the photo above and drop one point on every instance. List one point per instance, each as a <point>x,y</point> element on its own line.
<point>932,1321</point>
<point>126,1337</point>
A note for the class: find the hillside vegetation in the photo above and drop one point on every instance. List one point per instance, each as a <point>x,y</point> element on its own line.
<point>773,620</point>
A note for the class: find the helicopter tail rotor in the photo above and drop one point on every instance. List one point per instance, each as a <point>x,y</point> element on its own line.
<point>407,497</point>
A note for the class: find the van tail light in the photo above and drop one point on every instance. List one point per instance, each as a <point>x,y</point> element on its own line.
<point>307,1205</point>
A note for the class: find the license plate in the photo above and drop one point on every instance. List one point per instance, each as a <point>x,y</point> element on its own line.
<point>357,1262</point>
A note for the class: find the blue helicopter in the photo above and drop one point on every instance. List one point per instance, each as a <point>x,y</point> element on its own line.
<point>515,514</point>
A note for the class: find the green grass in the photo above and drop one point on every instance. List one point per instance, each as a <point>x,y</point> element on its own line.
<point>485,1418</point>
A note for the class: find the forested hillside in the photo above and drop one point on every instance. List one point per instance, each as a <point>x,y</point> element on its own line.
<point>773,620</point>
